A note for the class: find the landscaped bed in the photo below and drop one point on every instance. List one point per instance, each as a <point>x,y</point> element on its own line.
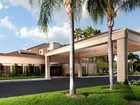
<point>122,95</point>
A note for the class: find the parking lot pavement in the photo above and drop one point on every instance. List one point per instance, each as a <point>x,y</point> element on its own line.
<point>18,88</point>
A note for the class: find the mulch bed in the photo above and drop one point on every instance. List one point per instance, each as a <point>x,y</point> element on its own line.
<point>135,102</point>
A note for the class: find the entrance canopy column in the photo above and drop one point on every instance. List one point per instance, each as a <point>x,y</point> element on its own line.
<point>80,68</point>
<point>122,60</point>
<point>47,67</point>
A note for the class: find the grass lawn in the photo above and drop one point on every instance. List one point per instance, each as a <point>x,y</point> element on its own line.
<point>94,96</point>
<point>20,77</point>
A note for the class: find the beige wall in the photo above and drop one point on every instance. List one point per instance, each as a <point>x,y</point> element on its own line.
<point>91,68</point>
<point>65,69</point>
<point>44,48</point>
<point>36,50</point>
<point>53,46</point>
<point>22,60</point>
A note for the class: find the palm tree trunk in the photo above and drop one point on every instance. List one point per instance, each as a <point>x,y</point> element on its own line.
<point>110,52</point>
<point>72,89</point>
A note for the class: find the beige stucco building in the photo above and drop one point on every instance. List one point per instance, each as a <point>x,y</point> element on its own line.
<point>55,57</point>
<point>35,56</point>
<point>124,41</point>
<point>32,57</point>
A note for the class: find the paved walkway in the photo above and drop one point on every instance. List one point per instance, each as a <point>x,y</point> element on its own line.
<point>39,79</point>
<point>24,87</point>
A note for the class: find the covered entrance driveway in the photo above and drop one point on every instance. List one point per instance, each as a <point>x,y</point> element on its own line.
<point>124,41</point>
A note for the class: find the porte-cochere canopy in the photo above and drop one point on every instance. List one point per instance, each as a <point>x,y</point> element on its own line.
<point>124,41</point>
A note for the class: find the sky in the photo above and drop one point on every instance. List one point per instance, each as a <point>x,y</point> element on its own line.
<point>19,30</point>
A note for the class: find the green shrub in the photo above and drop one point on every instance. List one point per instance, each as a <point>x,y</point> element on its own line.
<point>28,71</point>
<point>134,82</point>
<point>14,73</point>
<point>37,71</point>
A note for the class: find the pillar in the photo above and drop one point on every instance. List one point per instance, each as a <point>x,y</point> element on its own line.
<point>24,69</point>
<point>47,67</point>
<point>80,68</point>
<point>11,68</point>
<point>122,60</point>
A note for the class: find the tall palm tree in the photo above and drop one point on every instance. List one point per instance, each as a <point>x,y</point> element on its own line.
<point>69,9</point>
<point>73,9</point>
<point>98,9</point>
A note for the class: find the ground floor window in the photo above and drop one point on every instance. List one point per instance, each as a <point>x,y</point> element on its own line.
<point>22,70</point>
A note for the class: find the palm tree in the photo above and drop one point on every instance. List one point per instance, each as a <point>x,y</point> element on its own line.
<point>69,10</point>
<point>98,9</point>
<point>73,9</point>
<point>89,31</point>
<point>83,34</point>
<point>78,34</point>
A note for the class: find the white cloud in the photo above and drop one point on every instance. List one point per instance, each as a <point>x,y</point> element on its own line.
<point>34,33</point>
<point>25,3</point>
<point>36,8</point>
<point>62,31</point>
<point>1,6</point>
<point>55,33</point>
<point>60,28</point>
<point>5,22</point>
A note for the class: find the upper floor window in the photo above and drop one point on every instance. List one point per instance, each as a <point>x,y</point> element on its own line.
<point>41,52</point>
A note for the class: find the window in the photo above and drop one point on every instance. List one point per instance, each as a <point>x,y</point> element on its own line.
<point>41,52</point>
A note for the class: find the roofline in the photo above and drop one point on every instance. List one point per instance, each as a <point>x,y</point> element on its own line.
<point>125,30</point>
<point>97,35</point>
<point>37,46</point>
<point>132,31</point>
<point>24,55</point>
<point>10,52</point>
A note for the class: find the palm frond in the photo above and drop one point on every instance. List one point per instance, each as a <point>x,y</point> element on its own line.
<point>47,8</point>
<point>130,5</point>
<point>77,9</point>
<point>97,9</point>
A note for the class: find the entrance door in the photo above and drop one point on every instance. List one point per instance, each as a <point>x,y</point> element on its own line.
<point>56,70</point>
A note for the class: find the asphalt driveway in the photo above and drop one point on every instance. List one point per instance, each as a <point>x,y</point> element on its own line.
<point>9,89</point>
